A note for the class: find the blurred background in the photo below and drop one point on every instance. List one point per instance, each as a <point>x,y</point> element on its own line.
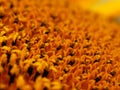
<point>104,7</point>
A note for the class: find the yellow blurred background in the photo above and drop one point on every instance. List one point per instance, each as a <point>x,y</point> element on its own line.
<point>105,7</point>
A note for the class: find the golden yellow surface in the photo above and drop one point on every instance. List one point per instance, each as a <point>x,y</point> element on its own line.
<point>105,7</point>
